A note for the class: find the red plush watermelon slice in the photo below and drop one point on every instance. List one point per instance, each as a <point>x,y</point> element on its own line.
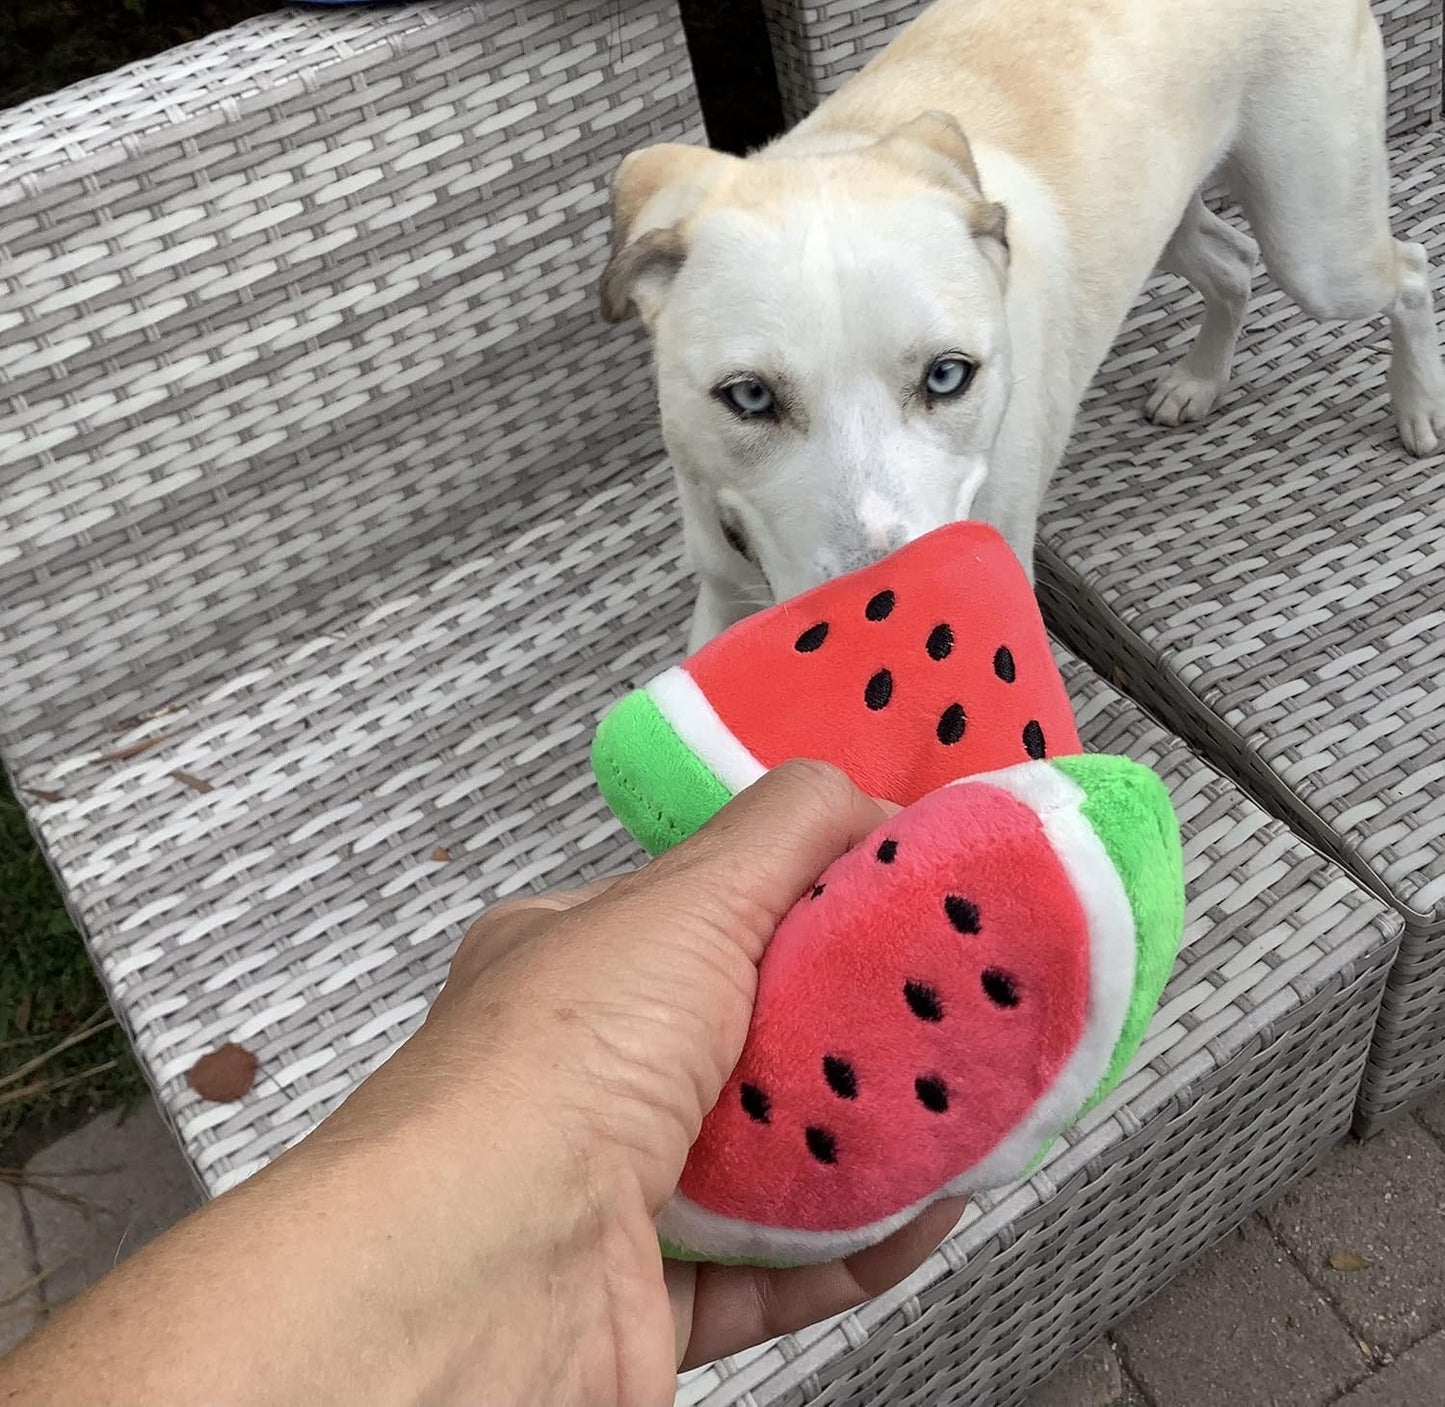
<point>931,665</point>
<point>925,1023</point>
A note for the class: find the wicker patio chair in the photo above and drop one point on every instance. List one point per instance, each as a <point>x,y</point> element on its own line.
<point>1272,582</point>
<point>330,518</point>
<point>323,533</point>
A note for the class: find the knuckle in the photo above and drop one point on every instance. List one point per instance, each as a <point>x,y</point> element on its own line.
<point>826,783</point>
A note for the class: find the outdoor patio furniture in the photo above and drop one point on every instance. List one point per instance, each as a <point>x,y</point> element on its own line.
<point>298,342</point>
<point>330,519</point>
<point>1271,582</point>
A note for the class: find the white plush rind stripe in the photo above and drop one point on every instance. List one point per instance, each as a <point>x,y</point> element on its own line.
<point>1058,802</point>
<point>695,721</point>
<point>684,1223</point>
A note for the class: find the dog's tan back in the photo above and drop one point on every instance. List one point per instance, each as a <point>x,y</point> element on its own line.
<point>990,193</point>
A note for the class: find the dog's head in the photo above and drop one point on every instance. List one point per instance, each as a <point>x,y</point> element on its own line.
<point>832,354</point>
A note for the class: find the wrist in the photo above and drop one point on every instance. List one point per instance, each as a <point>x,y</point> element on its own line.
<point>477,1231</point>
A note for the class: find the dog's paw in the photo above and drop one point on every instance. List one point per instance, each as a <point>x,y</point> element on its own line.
<point>1181,398</point>
<point>1419,411</point>
<point>1421,430</point>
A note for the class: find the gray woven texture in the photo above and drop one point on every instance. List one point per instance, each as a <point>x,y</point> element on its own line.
<point>1269,582</point>
<point>323,489</point>
<point>324,484</point>
<point>1273,584</point>
<point>816,48</point>
<point>1247,1075</point>
<point>280,342</point>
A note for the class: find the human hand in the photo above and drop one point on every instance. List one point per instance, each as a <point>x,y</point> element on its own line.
<point>607,1021</point>
<point>474,1223</point>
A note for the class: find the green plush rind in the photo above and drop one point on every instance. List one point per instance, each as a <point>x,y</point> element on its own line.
<point>655,784</point>
<point>1129,809</point>
<point>672,1251</point>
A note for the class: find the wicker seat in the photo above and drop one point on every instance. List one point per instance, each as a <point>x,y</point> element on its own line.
<point>1271,584</point>
<point>329,521</point>
<point>1268,582</point>
<point>322,528</point>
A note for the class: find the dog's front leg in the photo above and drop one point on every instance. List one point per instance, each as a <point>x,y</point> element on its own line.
<point>719,605</point>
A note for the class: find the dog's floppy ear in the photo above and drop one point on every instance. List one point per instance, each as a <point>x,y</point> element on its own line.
<point>653,193</point>
<point>935,144</point>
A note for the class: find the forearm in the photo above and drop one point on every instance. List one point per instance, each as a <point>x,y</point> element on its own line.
<point>333,1277</point>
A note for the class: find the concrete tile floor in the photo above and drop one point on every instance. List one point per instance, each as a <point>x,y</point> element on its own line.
<point>1266,1318</point>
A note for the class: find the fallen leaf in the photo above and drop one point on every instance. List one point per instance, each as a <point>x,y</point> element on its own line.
<point>21,1019</point>
<point>124,725</point>
<point>224,1075</point>
<point>1348,1260</point>
<point>199,784</point>
<point>441,854</point>
<point>124,754</point>
<point>1121,679</point>
<point>40,794</point>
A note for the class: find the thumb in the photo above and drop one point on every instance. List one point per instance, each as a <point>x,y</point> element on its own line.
<point>752,862</point>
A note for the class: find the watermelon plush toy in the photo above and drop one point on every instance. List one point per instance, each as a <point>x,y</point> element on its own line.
<point>958,989</point>
<point>929,666</point>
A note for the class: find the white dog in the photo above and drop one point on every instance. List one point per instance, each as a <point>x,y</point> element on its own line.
<point>886,319</point>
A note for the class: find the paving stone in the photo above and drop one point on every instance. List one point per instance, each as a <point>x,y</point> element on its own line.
<point>1415,1379</point>
<point>21,1308</point>
<point>1382,1201</point>
<point>1093,1379</point>
<point>131,1182</point>
<point>1243,1327</point>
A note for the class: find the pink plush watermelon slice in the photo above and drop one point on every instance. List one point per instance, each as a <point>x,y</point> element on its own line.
<point>926,1023</point>
<point>931,665</point>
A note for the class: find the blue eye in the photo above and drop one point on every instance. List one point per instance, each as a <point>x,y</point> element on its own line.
<point>748,396</point>
<point>948,376</point>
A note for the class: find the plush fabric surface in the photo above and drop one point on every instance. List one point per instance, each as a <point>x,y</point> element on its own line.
<point>926,1022</point>
<point>932,664</point>
<point>957,990</point>
<point>655,784</point>
<point>909,1010</point>
<point>1129,809</point>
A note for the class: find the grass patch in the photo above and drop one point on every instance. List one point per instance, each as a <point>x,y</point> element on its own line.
<point>60,1051</point>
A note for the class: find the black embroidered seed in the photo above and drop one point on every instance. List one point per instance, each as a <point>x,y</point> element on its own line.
<point>940,642</point>
<point>818,890</point>
<point>932,1093</point>
<point>821,1144</point>
<point>812,638</point>
<point>841,1076</point>
<point>756,1105</point>
<point>1003,664</point>
<point>952,724</point>
<point>879,690</point>
<point>887,851</point>
<point>999,988</point>
<point>923,1001</point>
<point>1033,739</point>
<point>961,913</point>
<point>880,607</point>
